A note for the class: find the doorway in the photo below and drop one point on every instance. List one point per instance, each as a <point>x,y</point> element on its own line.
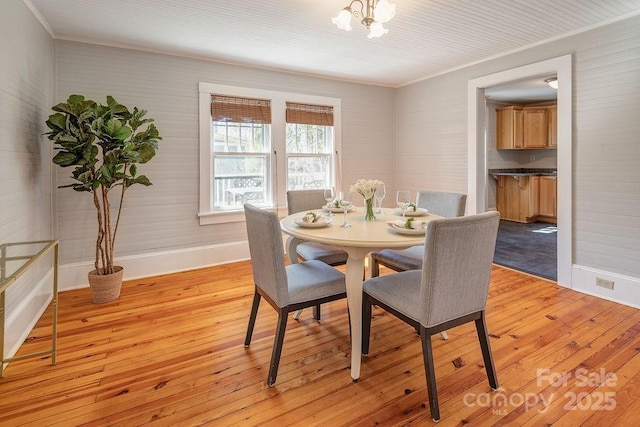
<point>477,161</point>
<point>530,247</point>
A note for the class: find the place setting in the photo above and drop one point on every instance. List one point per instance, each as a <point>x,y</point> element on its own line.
<point>406,207</point>
<point>409,226</point>
<point>313,220</point>
<point>336,204</point>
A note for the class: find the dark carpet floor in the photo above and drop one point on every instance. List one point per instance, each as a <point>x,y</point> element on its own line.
<point>531,248</point>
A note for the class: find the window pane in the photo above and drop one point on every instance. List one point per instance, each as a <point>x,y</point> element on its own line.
<point>239,179</point>
<point>308,172</point>
<point>309,138</point>
<point>229,137</point>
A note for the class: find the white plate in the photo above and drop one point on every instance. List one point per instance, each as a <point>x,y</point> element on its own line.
<point>417,212</point>
<point>333,209</point>
<point>323,221</point>
<point>410,231</point>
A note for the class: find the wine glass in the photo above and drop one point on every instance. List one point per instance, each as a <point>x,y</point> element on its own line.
<point>345,204</point>
<point>403,199</point>
<point>329,196</point>
<point>379,195</point>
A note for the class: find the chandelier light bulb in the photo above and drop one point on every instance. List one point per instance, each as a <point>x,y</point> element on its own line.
<point>384,11</point>
<point>343,20</point>
<point>377,30</point>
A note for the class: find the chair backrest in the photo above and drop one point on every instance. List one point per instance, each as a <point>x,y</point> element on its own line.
<point>448,205</point>
<point>267,253</point>
<point>456,268</point>
<point>304,200</point>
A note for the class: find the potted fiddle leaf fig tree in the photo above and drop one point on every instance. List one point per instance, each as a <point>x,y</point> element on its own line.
<point>103,144</point>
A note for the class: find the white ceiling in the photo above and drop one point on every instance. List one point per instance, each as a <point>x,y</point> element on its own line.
<point>426,37</point>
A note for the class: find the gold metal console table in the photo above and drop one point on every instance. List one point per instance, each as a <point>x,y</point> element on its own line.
<point>12,266</point>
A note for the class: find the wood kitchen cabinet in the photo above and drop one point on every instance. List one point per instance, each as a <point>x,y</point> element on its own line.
<point>535,127</point>
<point>517,197</point>
<point>509,132</point>
<point>548,207</point>
<point>527,198</point>
<point>520,127</point>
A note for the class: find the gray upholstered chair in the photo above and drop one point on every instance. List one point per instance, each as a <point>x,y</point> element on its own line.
<point>448,205</point>
<point>308,200</point>
<point>450,290</point>
<point>286,288</point>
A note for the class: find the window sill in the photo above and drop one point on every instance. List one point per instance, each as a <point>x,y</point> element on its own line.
<point>227,217</point>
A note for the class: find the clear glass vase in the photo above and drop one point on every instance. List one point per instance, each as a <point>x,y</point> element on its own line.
<point>369,215</point>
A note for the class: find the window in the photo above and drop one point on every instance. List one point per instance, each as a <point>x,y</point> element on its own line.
<point>309,146</point>
<point>241,142</point>
<point>257,144</point>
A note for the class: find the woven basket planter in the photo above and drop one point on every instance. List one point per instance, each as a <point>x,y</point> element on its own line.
<point>105,288</point>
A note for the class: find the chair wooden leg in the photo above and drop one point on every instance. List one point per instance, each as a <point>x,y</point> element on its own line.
<point>316,312</point>
<point>277,346</point>
<point>366,323</point>
<point>296,314</point>
<point>375,267</point>
<point>444,335</point>
<point>427,354</point>
<point>483,337</point>
<point>252,318</point>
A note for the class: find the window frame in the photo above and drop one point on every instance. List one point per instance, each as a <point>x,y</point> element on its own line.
<point>277,156</point>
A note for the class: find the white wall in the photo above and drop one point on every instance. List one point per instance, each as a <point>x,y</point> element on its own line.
<point>606,104</point>
<point>26,87</point>
<point>159,229</point>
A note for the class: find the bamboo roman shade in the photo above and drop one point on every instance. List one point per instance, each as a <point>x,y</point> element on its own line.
<point>308,114</point>
<point>240,110</point>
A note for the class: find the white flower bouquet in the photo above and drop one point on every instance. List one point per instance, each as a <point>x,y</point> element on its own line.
<point>366,187</point>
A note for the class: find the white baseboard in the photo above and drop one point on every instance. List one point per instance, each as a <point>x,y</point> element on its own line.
<point>74,276</point>
<point>626,289</point>
<point>20,321</point>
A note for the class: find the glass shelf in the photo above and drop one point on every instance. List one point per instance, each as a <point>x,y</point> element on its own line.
<point>16,259</point>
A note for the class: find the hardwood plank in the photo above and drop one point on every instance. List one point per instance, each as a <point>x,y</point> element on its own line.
<point>170,352</point>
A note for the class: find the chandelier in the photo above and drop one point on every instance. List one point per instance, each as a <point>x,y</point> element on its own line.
<point>373,14</point>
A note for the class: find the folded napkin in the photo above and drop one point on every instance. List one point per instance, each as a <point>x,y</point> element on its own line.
<point>310,217</point>
<point>409,223</point>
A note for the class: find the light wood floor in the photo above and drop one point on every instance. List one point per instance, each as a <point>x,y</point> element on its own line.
<point>170,352</point>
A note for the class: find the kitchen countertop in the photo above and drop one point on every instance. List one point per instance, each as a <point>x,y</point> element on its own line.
<point>524,171</point>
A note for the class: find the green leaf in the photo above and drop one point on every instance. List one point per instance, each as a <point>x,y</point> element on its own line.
<point>64,158</point>
<point>117,130</point>
<point>85,177</point>
<point>64,108</point>
<point>142,180</point>
<point>146,153</point>
<point>104,170</point>
<point>115,108</point>
<point>75,99</point>
<point>89,153</point>
<point>133,156</point>
<point>113,125</point>
<point>57,122</point>
<point>133,170</point>
<point>137,119</point>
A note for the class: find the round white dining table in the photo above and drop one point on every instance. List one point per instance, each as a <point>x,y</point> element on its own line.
<point>358,240</point>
